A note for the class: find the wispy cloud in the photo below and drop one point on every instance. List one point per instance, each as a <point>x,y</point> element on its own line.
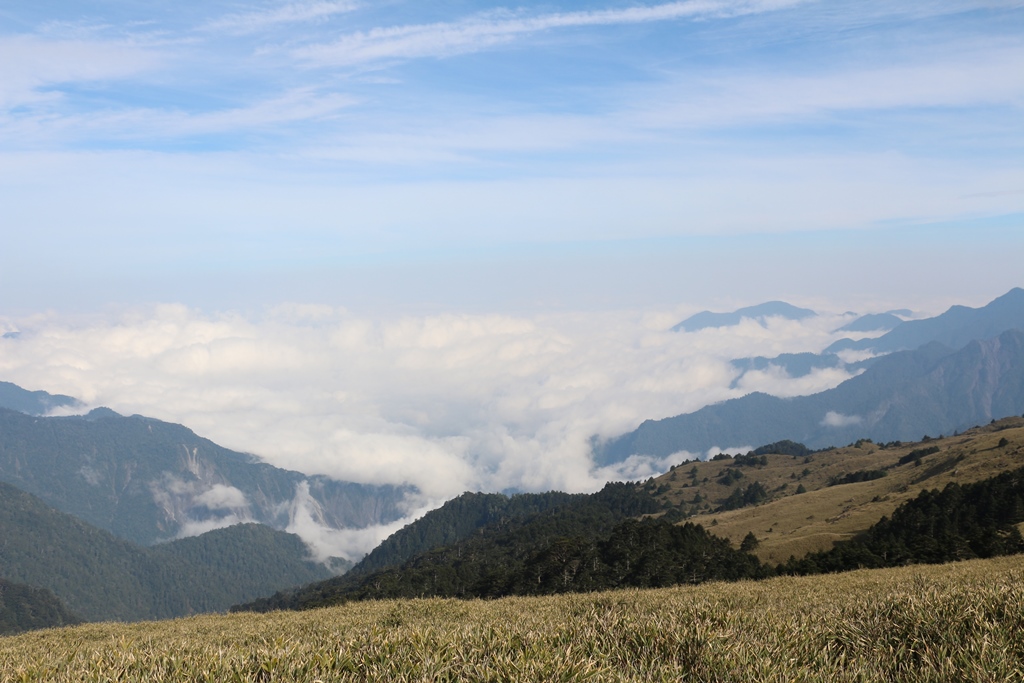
<point>275,114</point>
<point>718,100</point>
<point>482,31</point>
<point>834,419</point>
<point>775,380</point>
<point>299,105</point>
<point>324,542</point>
<point>976,76</point>
<point>30,64</point>
<point>296,12</point>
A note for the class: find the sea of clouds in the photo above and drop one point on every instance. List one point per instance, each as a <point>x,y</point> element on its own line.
<point>444,402</point>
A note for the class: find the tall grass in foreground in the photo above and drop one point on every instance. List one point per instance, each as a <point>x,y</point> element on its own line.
<point>958,622</point>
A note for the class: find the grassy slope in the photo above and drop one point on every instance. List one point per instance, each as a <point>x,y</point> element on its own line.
<point>959,621</point>
<point>795,524</point>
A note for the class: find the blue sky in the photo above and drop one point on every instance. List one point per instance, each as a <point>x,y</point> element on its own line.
<point>227,154</point>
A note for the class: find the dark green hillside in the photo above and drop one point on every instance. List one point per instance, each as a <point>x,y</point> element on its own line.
<point>456,520</point>
<point>142,479</point>
<point>250,559</point>
<point>646,553</point>
<point>526,561</point>
<point>24,608</point>
<point>960,522</point>
<point>76,561</point>
<point>102,577</point>
<point>586,543</point>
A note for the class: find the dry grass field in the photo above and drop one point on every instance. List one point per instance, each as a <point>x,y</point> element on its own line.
<point>956,622</point>
<point>795,524</point>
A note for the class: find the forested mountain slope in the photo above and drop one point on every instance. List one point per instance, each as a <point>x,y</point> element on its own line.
<point>530,553</point>
<point>24,608</point>
<point>146,480</point>
<point>456,520</point>
<point>102,577</point>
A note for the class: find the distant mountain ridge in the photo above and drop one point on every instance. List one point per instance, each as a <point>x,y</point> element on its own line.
<point>900,397</point>
<point>794,364</point>
<point>952,330</point>
<point>955,328</point>
<point>146,480</point>
<point>14,397</point>
<point>760,312</point>
<point>872,322</point>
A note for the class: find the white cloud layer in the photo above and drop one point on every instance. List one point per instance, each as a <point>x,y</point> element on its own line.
<point>448,403</point>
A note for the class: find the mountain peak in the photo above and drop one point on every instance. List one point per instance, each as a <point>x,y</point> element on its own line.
<point>760,312</point>
<point>101,413</point>
<point>14,397</point>
<point>955,328</point>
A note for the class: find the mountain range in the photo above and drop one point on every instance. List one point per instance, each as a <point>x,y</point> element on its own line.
<point>873,322</point>
<point>148,481</point>
<point>958,369</point>
<point>955,328</point>
<point>931,390</point>
<point>96,508</point>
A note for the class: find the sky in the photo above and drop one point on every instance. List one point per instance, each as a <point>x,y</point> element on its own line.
<point>442,243</point>
<point>421,157</point>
